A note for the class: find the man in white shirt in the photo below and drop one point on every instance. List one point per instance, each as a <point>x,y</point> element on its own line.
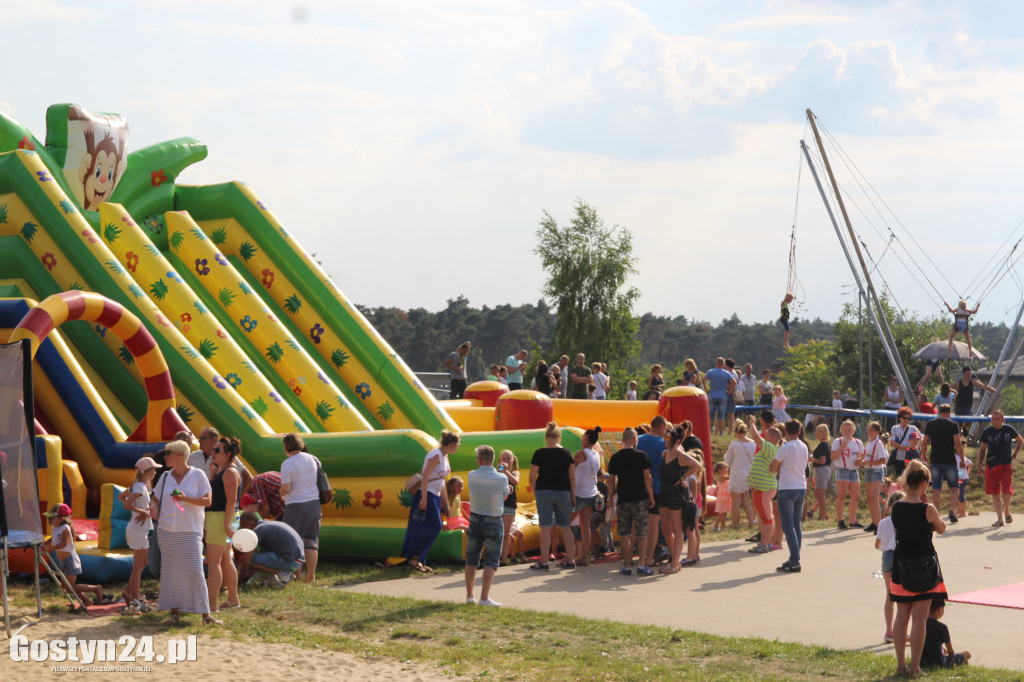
<point>748,383</point>
<point>200,459</point>
<point>791,464</point>
<point>563,369</point>
<point>487,492</point>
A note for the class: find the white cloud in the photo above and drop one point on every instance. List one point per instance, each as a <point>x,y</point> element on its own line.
<point>382,48</point>
<point>787,20</point>
<point>379,132</point>
<point>44,12</point>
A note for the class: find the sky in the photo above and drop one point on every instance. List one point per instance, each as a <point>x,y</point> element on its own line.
<point>413,146</point>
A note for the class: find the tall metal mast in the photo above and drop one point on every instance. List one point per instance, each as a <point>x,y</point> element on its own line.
<point>873,304</point>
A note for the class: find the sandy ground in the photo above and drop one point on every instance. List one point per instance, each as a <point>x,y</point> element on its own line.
<point>216,658</point>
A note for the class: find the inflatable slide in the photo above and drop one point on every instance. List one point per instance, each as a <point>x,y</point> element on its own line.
<point>253,337</point>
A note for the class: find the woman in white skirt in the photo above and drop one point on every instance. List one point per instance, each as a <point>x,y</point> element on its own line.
<point>180,497</point>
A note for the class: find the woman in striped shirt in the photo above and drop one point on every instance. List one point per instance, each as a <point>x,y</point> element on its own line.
<point>848,455</point>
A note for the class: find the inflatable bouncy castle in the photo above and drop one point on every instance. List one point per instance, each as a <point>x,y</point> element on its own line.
<point>154,307</point>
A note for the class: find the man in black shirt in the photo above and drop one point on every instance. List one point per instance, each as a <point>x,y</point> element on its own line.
<point>1000,444</point>
<point>630,472</point>
<point>965,391</point>
<point>943,435</point>
<point>580,378</point>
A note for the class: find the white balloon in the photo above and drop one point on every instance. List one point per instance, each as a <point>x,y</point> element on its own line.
<point>244,540</point>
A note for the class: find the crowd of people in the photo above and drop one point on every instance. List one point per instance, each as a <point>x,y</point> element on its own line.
<point>184,502</point>
<point>183,505</point>
<point>726,385</point>
<point>651,488</point>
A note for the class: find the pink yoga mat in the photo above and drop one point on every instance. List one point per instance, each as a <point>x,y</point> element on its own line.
<point>1007,596</point>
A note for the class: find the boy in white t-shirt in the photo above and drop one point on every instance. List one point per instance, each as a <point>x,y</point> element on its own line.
<point>885,540</point>
<point>963,471</point>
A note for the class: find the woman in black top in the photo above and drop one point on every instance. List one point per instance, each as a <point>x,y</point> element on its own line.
<point>655,383</point>
<point>914,521</point>
<point>675,496</point>
<point>552,477</point>
<point>821,459</point>
<point>219,515</point>
<point>690,441</point>
<point>543,378</point>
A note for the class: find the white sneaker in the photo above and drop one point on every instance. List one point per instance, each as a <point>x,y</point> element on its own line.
<point>489,602</point>
<point>285,576</point>
<point>470,600</point>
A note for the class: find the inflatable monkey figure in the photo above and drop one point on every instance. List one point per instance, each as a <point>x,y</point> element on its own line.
<point>98,170</point>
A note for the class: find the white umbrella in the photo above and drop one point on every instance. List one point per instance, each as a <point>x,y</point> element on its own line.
<point>939,350</point>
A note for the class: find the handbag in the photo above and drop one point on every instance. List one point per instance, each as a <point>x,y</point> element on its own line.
<point>155,556</point>
<point>920,574</point>
<point>323,485</point>
<point>894,456</point>
<point>412,484</point>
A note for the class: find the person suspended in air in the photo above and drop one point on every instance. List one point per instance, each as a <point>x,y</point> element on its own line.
<point>784,319</point>
<point>934,368</point>
<point>960,325</point>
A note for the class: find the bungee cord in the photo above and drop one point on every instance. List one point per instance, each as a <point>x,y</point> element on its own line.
<point>987,284</point>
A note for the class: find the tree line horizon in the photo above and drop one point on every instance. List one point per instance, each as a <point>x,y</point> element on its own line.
<point>587,306</point>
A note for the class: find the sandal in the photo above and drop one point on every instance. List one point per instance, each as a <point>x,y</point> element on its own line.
<point>421,568</point>
<point>229,605</point>
<point>1009,518</point>
<point>567,564</point>
<point>997,524</point>
<point>210,620</point>
<point>172,621</point>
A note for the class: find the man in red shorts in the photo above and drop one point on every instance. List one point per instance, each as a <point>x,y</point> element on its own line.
<point>996,461</point>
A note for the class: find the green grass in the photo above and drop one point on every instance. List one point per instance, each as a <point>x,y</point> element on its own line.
<point>508,644</point>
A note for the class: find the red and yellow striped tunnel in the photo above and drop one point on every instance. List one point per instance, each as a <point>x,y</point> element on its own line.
<point>161,421</point>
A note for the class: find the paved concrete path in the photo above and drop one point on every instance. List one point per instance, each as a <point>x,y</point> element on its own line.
<point>834,602</point>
